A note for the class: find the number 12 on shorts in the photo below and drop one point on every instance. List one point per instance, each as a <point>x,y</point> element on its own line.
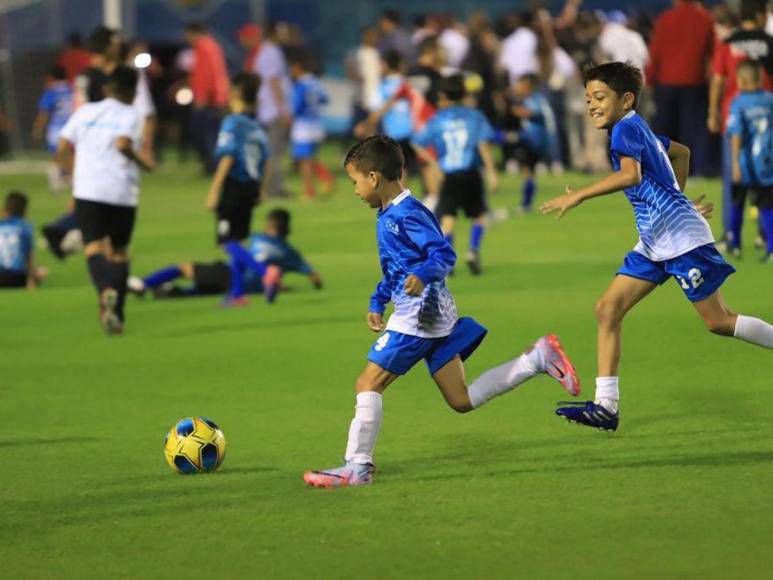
<point>695,278</point>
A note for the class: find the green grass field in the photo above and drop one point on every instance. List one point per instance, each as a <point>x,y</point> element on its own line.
<point>682,490</point>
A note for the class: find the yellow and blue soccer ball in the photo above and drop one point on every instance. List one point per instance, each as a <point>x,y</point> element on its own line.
<point>194,444</point>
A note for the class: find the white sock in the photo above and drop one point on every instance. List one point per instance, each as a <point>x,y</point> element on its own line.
<point>754,330</point>
<point>364,428</point>
<point>607,392</point>
<point>504,378</point>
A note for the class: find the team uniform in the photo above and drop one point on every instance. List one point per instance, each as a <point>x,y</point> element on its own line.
<point>455,133</point>
<point>674,239</point>
<point>105,182</point>
<point>751,118</point>
<point>57,102</point>
<point>535,133</point>
<point>242,138</point>
<point>421,327</point>
<point>307,131</point>
<point>16,243</point>
<point>397,122</point>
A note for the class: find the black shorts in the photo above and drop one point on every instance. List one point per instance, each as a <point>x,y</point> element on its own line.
<point>212,278</point>
<point>13,279</point>
<point>409,155</point>
<point>525,155</point>
<point>462,190</point>
<point>762,196</point>
<point>98,220</point>
<point>234,211</point>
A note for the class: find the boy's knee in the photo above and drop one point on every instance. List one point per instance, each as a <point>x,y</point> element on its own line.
<point>460,406</point>
<point>608,310</point>
<point>365,384</point>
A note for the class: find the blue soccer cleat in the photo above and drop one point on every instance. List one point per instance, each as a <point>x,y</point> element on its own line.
<point>590,414</point>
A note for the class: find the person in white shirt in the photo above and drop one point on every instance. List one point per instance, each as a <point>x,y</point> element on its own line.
<point>618,43</point>
<point>102,138</point>
<point>519,50</point>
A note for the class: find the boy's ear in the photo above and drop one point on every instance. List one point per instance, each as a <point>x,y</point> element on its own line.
<point>629,100</point>
<point>374,177</point>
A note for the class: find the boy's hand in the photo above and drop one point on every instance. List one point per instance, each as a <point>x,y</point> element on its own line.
<point>413,285</point>
<point>705,209</point>
<point>562,203</point>
<point>375,321</point>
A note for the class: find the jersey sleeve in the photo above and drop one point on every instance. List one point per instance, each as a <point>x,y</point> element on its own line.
<point>294,261</point>
<point>226,139</point>
<point>664,140</point>
<point>299,99</point>
<point>427,236</point>
<point>734,123</point>
<point>626,141</point>
<point>426,136</point>
<point>27,241</point>
<point>380,297</point>
<point>46,102</point>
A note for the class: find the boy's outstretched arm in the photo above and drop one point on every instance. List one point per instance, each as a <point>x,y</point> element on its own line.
<point>628,175</point>
<point>489,167</point>
<point>680,162</point>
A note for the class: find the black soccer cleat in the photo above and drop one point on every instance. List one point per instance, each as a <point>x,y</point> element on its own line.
<point>590,414</point>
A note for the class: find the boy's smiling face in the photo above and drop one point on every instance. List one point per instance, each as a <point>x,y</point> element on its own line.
<point>605,106</point>
<point>365,185</point>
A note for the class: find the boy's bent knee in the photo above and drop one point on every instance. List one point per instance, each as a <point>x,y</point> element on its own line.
<point>460,406</point>
<point>609,310</point>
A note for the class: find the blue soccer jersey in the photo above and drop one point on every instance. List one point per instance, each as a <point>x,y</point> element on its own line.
<point>242,138</point>
<point>398,121</point>
<point>668,224</point>
<point>410,242</point>
<point>276,252</point>
<point>751,118</point>
<point>16,240</point>
<point>538,131</point>
<point>455,133</point>
<point>309,97</point>
<point>57,101</point>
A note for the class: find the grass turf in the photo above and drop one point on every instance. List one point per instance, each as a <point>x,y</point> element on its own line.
<point>682,490</point>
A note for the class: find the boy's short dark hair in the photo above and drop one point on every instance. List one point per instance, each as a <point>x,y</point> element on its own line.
<point>16,204</point>
<point>621,77</point>
<point>753,67</point>
<point>299,56</point>
<point>101,39</point>
<point>452,87</point>
<point>248,85</point>
<point>58,73</point>
<point>751,9</point>
<point>123,81</point>
<point>281,220</point>
<point>393,60</point>
<point>378,153</point>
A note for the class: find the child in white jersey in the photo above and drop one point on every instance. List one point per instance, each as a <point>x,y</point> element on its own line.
<point>674,238</point>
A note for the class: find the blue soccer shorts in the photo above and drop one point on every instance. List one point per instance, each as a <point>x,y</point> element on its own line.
<point>303,149</point>
<point>398,352</point>
<point>699,272</point>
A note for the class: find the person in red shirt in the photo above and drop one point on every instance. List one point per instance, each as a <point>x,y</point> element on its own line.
<point>250,37</point>
<point>210,86</point>
<point>74,59</point>
<point>748,42</point>
<point>680,48</point>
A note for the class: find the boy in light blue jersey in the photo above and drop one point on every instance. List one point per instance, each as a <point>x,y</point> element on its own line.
<point>397,119</point>
<point>415,260</point>
<point>750,127</point>
<point>309,96</point>
<point>674,238</point>
<point>54,109</point>
<point>460,136</point>
<point>17,264</point>
<point>241,155</point>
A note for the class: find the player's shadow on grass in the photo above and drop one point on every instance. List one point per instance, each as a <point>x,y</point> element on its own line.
<point>29,442</point>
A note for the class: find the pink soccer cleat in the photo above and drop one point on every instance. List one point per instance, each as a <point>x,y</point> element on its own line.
<point>557,363</point>
<point>349,474</point>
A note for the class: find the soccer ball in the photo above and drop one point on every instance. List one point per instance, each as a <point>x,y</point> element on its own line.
<point>194,444</point>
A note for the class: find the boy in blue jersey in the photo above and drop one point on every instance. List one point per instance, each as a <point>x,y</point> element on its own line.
<point>674,238</point>
<point>415,260</point>
<point>533,138</point>
<point>254,269</point>
<point>307,132</point>
<point>750,127</point>
<point>460,136</point>
<point>54,109</point>
<point>241,155</point>
<point>397,120</point>
<point>17,264</point>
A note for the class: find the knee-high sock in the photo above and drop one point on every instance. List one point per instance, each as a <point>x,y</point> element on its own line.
<point>98,270</point>
<point>736,223</point>
<point>241,259</point>
<point>476,235</point>
<point>364,428</point>
<point>529,189</point>
<point>162,276</point>
<point>766,218</point>
<point>119,275</point>
<point>754,330</point>
<point>504,378</point>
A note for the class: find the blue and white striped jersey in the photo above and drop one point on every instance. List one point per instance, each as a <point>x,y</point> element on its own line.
<point>668,224</point>
<point>410,242</point>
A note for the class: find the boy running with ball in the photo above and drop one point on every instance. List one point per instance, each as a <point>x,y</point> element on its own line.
<point>415,260</point>
<point>674,238</point>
